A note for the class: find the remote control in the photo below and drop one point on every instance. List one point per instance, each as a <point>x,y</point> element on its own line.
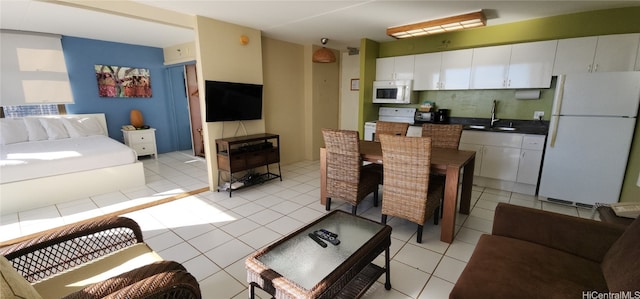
<point>327,237</point>
<point>329,233</point>
<point>320,242</point>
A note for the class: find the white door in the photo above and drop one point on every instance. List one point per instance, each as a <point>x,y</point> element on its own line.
<point>575,55</point>
<point>403,67</point>
<point>455,73</point>
<point>613,94</point>
<point>616,52</point>
<point>529,167</point>
<point>531,64</point>
<point>500,162</point>
<point>587,162</point>
<point>385,68</point>
<point>489,67</point>
<point>426,73</point>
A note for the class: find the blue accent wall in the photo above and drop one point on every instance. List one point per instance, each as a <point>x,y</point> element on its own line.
<point>82,54</point>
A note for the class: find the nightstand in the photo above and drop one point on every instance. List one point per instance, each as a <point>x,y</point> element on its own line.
<point>142,141</point>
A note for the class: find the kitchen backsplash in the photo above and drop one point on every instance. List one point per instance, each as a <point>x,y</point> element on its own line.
<point>477,103</point>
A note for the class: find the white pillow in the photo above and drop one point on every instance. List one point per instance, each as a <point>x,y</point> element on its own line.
<point>82,126</point>
<point>35,129</point>
<point>55,128</point>
<point>13,131</point>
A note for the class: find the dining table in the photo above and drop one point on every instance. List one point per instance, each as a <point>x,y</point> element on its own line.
<point>449,162</point>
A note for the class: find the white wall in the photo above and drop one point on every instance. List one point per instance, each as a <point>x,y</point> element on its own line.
<point>349,69</point>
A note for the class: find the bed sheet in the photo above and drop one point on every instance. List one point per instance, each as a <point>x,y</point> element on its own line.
<point>29,160</point>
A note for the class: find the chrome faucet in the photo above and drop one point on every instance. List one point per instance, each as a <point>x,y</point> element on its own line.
<point>493,113</point>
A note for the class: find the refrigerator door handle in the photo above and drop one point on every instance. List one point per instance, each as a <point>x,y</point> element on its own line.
<point>555,114</point>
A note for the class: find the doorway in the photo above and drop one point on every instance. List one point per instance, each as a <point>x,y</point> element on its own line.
<point>191,79</point>
<point>186,109</point>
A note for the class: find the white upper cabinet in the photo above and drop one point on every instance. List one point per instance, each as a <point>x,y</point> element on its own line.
<point>616,52</point>
<point>531,65</point>
<point>443,70</point>
<point>526,65</point>
<point>575,55</point>
<point>426,73</point>
<point>606,53</point>
<point>637,67</point>
<point>395,68</point>
<point>455,72</point>
<point>490,67</point>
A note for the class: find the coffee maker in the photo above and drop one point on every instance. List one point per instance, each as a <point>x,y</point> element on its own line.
<point>442,116</point>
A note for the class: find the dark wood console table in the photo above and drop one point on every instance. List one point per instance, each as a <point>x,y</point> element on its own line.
<point>242,153</point>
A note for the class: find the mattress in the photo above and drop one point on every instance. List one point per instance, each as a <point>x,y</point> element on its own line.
<point>35,159</point>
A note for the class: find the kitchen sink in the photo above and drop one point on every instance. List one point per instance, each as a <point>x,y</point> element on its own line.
<point>487,128</point>
<point>504,128</point>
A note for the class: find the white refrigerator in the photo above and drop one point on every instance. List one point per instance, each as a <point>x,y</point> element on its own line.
<point>592,125</point>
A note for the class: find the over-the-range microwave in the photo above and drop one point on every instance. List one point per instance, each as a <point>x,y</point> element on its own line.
<point>392,92</point>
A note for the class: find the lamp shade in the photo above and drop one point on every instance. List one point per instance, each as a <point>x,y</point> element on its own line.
<point>136,118</point>
<point>324,55</point>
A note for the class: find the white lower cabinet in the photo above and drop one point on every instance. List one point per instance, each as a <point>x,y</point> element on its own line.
<point>530,159</point>
<point>499,152</point>
<point>505,161</point>
<point>529,167</point>
<point>500,162</point>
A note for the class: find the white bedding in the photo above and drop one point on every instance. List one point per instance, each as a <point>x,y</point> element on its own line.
<point>35,159</point>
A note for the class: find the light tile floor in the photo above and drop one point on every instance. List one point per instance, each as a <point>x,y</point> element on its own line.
<point>212,234</point>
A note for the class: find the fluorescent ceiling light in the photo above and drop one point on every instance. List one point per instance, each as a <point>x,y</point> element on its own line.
<point>470,20</point>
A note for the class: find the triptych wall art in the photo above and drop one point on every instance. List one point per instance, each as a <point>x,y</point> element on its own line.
<point>123,82</point>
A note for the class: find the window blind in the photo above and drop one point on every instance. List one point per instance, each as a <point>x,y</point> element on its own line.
<point>33,70</point>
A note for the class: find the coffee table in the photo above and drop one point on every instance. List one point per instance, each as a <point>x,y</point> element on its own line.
<point>297,267</point>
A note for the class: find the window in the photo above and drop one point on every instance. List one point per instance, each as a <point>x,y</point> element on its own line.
<point>33,69</point>
<point>26,110</point>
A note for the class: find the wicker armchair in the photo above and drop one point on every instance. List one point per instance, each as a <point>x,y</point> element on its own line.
<point>45,264</point>
<point>408,192</point>
<point>392,128</point>
<point>443,136</point>
<point>347,179</point>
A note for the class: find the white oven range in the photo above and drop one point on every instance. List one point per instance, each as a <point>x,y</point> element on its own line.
<point>404,115</point>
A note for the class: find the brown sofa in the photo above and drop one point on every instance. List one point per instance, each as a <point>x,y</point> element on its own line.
<point>539,254</point>
<point>103,258</point>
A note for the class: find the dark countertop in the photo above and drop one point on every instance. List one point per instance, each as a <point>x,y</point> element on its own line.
<point>537,127</point>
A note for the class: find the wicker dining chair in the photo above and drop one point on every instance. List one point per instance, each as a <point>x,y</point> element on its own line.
<point>389,127</point>
<point>443,136</point>
<point>347,179</point>
<point>408,192</point>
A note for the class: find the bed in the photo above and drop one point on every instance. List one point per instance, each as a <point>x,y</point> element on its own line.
<point>47,160</point>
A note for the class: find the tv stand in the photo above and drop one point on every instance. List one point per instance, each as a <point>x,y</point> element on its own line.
<point>243,153</point>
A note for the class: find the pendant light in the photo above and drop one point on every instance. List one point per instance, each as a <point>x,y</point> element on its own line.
<point>324,55</point>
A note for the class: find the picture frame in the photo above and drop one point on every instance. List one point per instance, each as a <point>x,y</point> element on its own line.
<point>123,82</point>
<point>355,84</point>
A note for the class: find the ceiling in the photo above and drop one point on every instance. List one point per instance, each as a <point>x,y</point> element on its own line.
<point>303,21</point>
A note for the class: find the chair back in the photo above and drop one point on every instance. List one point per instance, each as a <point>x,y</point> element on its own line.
<point>407,162</point>
<point>391,128</point>
<point>343,162</point>
<point>443,136</point>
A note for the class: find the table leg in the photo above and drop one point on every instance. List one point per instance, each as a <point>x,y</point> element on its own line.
<point>252,292</point>
<point>450,204</point>
<point>387,284</point>
<point>323,175</point>
<point>467,186</point>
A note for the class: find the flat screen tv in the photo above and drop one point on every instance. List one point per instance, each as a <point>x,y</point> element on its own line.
<point>230,101</point>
